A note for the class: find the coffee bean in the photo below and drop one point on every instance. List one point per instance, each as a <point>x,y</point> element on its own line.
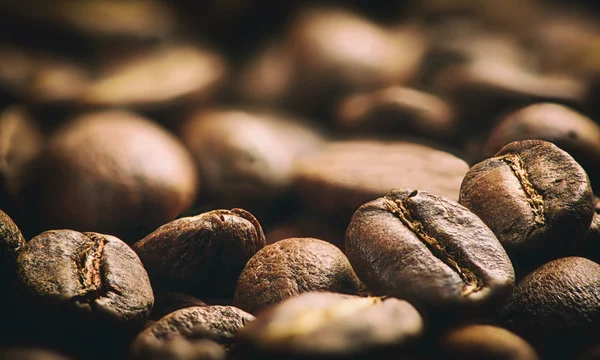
<point>590,247</point>
<point>202,255</point>
<point>246,158</point>
<point>290,267</point>
<point>430,250</point>
<point>23,353</point>
<point>88,274</point>
<point>557,307</point>
<point>346,174</point>
<point>157,78</point>
<point>183,349</point>
<point>535,198</point>
<point>11,244</point>
<point>485,342</point>
<point>398,110</point>
<point>215,323</point>
<point>112,172</point>
<point>168,302</point>
<point>321,325</point>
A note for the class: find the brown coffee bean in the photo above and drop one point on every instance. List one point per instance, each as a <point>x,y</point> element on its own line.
<point>574,133</point>
<point>321,325</point>
<point>158,78</point>
<point>346,174</point>
<point>535,198</point>
<point>397,110</point>
<point>557,307</point>
<point>168,302</point>
<point>24,353</point>
<point>112,172</point>
<point>290,267</point>
<point>216,323</point>
<point>246,158</point>
<point>485,342</point>
<point>11,244</point>
<point>87,274</point>
<point>202,255</point>
<point>430,250</point>
<point>20,142</point>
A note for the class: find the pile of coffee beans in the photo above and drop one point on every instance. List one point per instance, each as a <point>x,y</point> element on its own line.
<point>302,179</point>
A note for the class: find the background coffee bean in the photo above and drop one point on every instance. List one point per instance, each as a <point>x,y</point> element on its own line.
<point>535,198</point>
<point>485,342</point>
<point>202,255</point>
<point>290,267</point>
<point>322,325</point>
<point>22,353</point>
<point>112,172</point>
<point>571,131</point>
<point>430,250</point>
<point>346,174</point>
<point>215,323</point>
<point>555,307</point>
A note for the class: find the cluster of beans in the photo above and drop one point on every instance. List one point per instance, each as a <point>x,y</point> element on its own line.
<point>244,179</point>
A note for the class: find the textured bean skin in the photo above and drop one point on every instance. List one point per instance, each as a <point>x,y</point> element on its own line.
<point>557,306</point>
<point>204,254</point>
<point>428,249</point>
<point>322,325</point>
<point>11,243</point>
<point>290,267</point>
<point>216,323</point>
<point>88,274</point>
<point>534,196</point>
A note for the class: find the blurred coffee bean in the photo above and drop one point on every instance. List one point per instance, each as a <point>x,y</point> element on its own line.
<point>202,255</point>
<point>112,172</point>
<point>183,349</point>
<point>321,325</point>
<point>430,250</point>
<point>336,52</point>
<point>397,110</point>
<point>24,353</point>
<point>308,226</point>
<point>20,142</point>
<point>96,19</point>
<point>11,244</point>
<point>157,78</point>
<point>534,196</point>
<point>485,342</point>
<point>556,307</point>
<point>39,77</point>
<point>246,159</point>
<point>573,132</point>
<point>346,174</point>
<point>167,302</point>
<point>215,323</point>
<point>290,267</point>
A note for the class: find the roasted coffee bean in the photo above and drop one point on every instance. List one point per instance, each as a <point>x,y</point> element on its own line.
<point>20,142</point>
<point>11,244</point>
<point>88,274</point>
<point>535,198</point>
<point>321,325</point>
<point>168,302</point>
<point>290,267</point>
<point>346,174</point>
<point>215,323</point>
<point>246,158</point>
<point>556,307</point>
<point>574,133</point>
<point>202,255</point>
<point>158,78</point>
<point>183,349</point>
<point>111,172</point>
<point>398,110</point>
<point>23,353</point>
<point>485,342</point>
<point>430,250</point>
